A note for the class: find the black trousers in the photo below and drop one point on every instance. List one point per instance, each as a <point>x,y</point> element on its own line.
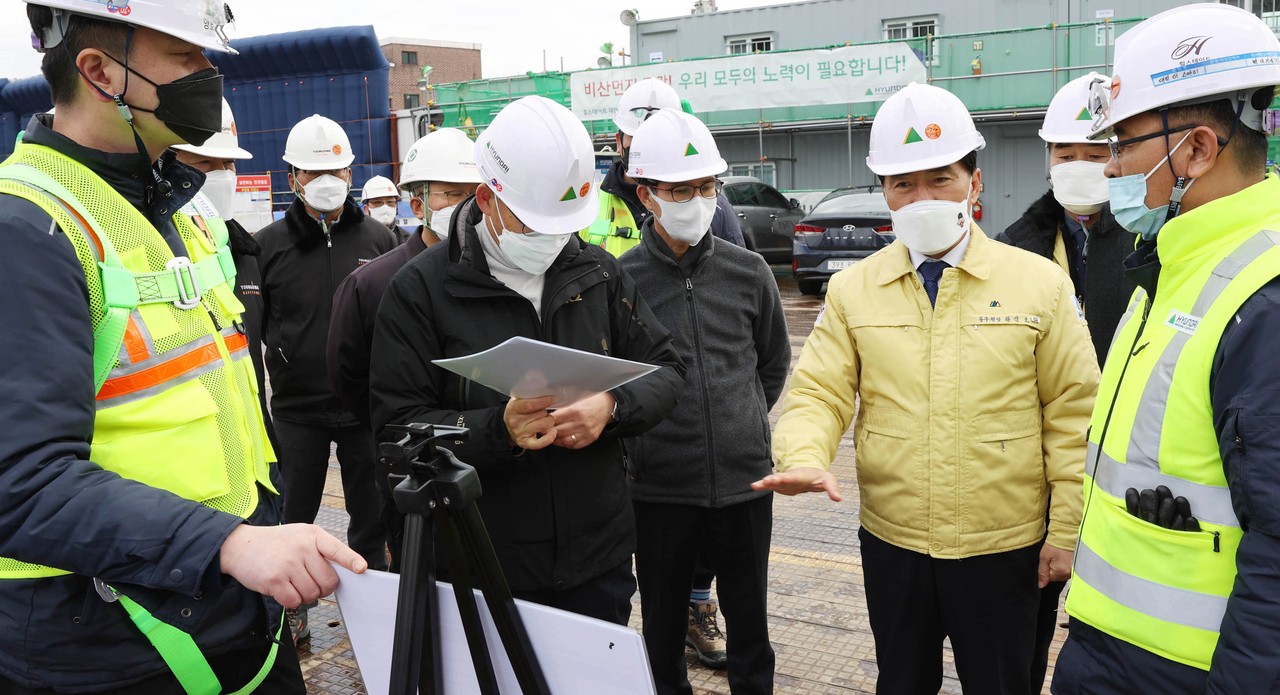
<point>604,597</point>
<point>304,462</point>
<point>233,669</point>
<point>1046,626</point>
<point>988,605</point>
<point>703,572</point>
<point>736,538</point>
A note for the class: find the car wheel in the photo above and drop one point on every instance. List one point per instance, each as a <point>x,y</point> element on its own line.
<point>810,286</point>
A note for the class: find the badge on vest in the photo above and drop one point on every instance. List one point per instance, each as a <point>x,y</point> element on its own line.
<point>1185,323</point>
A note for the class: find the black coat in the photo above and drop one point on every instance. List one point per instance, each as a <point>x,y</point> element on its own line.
<point>355,306</point>
<point>1106,291</point>
<point>557,517</point>
<point>300,271</point>
<point>248,287</point>
<point>722,306</point>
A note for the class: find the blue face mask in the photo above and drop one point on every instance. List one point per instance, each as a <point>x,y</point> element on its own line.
<point>1129,200</point>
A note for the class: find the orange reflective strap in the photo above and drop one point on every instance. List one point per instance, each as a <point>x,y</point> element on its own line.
<point>134,344</point>
<point>170,369</point>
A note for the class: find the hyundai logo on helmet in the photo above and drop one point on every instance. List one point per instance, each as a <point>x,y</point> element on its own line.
<point>1188,46</point>
<point>497,158</point>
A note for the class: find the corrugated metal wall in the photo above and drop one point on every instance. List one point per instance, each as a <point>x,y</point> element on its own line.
<point>280,79</point>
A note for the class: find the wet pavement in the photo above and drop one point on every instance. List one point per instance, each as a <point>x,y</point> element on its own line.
<point>817,610</point>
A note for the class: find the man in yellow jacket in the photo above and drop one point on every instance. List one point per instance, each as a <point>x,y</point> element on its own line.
<point>970,369</point>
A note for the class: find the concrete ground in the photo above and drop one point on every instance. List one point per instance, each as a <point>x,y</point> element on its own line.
<point>817,610</point>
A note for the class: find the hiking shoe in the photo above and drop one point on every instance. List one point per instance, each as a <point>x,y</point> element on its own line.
<point>704,635</point>
<point>299,626</point>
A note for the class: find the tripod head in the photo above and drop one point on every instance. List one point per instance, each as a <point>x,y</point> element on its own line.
<point>421,474</point>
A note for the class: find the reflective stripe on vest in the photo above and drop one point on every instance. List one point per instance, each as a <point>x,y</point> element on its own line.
<point>132,382</point>
<point>1144,442</point>
<point>1167,603</point>
<point>1208,502</point>
<point>1162,590</point>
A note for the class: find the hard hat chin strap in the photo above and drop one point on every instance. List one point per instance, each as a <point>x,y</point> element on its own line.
<point>159,185</point>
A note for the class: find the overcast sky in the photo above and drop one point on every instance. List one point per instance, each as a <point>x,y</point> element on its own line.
<point>512,33</point>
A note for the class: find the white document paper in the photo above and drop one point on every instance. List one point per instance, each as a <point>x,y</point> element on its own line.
<point>526,368</point>
<point>578,655</point>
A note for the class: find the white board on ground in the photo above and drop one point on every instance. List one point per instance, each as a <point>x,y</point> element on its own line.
<point>578,655</point>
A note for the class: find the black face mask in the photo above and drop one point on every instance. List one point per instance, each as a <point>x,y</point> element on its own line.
<point>190,106</point>
<point>626,160</point>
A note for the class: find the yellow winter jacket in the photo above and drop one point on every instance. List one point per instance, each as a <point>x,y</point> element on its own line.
<point>972,413</point>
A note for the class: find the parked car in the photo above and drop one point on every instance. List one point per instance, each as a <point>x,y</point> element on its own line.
<point>768,218</point>
<point>845,227</point>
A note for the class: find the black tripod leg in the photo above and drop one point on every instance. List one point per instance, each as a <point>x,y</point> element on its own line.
<point>450,549</point>
<point>417,635</point>
<point>515,640</point>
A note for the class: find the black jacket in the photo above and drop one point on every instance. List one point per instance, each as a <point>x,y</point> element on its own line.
<point>248,287</point>
<point>301,269</point>
<point>355,306</point>
<point>1106,291</point>
<point>1245,389</point>
<point>724,225</point>
<point>58,508</point>
<point>722,306</point>
<point>557,517</point>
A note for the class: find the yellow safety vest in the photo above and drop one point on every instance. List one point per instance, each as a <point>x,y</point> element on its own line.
<point>1162,590</point>
<point>615,229</point>
<point>177,405</point>
<point>178,409</point>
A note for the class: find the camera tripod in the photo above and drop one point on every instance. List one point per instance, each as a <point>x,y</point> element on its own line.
<point>435,491</point>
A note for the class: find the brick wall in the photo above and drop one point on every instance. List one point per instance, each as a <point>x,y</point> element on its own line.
<point>448,65</point>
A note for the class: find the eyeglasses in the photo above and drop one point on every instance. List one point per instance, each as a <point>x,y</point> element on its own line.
<point>644,112</point>
<point>1118,147</point>
<point>315,174</point>
<point>453,197</point>
<point>685,193</point>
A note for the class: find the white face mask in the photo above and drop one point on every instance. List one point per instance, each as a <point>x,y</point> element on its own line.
<point>686,222</point>
<point>531,252</point>
<point>325,193</point>
<point>1080,187</point>
<point>386,214</point>
<point>930,227</point>
<point>220,188</point>
<point>440,220</point>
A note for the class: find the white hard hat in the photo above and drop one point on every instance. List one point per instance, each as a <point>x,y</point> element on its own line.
<point>1187,55</point>
<point>201,22</point>
<point>674,146</point>
<point>446,155</point>
<point>642,99</point>
<point>317,143</point>
<point>380,187</point>
<point>537,157</point>
<point>921,127</point>
<point>1068,119</point>
<point>224,144</point>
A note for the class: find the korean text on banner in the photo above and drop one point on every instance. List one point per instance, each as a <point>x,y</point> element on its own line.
<point>846,75</point>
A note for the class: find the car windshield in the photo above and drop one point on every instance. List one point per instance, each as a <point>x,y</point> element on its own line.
<point>860,203</point>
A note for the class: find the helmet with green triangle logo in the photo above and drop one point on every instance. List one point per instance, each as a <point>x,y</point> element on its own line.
<point>1067,119</point>
<point>920,127</point>
<point>674,146</point>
